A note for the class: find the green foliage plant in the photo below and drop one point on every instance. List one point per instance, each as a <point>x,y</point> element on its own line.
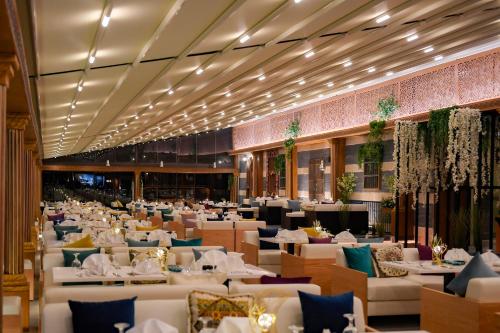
<point>292,132</point>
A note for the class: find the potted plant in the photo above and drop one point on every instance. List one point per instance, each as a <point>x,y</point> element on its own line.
<point>346,184</point>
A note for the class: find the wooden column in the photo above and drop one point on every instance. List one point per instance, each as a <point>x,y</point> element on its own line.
<point>258,173</point>
<point>137,185</point>
<point>291,176</point>
<point>15,282</point>
<point>337,165</point>
<point>8,66</point>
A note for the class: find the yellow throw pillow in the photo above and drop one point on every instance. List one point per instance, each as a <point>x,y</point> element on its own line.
<point>141,228</point>
<point>81,243</point>
<point>311,232</point>
<point>216,306</point>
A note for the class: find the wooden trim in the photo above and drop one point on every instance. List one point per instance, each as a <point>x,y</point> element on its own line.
<point>216,237</point>
<point>179,229</point>
<point>133,169</point>
<point>483,105</point>
<point>345,279</point>
<point>447,313</point>
<point>337,165</point>
<point>317,269</point>
<point>250,253</point>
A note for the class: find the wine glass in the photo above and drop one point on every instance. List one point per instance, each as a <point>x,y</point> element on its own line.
<point>204,321</point>
<point>114,261</point>
<point>121,327</point>
<point>65,232</point>
<point>295,329</point>
<point>350,328</point>
<point>76,264</point>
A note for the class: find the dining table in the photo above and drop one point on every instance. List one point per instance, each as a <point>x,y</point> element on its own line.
<point>124,273</point>
<point>426,267</point>
<point>288,242</point>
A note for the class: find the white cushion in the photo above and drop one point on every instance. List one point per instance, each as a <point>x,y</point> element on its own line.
<point>392,289</point>
<point>411,254</point>
<point>319,251</point>
<point>428,281</point>
<point>249,225</point>
<point>270,257</point>
<point>251,237</point>
<point>274,290</point>
<point>484,289</point>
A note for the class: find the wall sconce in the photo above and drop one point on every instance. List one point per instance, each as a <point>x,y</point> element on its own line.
<point>107,163</point>
<point>161,164</point>
<point>322,165</point>
<point>215,165</point>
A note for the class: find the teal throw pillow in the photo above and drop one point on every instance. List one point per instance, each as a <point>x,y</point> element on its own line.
<point>192,242</point>
<point>360,259</point>
<point>134,243</point>
<point>69,255</point>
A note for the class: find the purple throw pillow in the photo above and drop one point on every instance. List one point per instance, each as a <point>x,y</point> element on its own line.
<point>315,240</point>
<point>190,223</point>
<point>282,280</point>
<point>56,217</point>
<point>424,252</point>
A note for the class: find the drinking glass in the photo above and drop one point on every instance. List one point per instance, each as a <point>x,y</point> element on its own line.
<point>121,327</point>
<point>350,328</point>
<point>295,329</point>
<point>76,263</point>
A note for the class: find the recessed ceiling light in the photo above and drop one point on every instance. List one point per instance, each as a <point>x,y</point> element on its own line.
<point>309,54</point>
<point>150,106</point>
<point>320,95</point>
<point>412,38</point>
<point>262,77</point>
<point>222,113</point>
<point>294,104</point>
<point>205,120</point>
<point>171,92</point>
<point>298,1</point>
<point>274,110</point>
<point>80,87</point>
<point>170,122</point>
<point>244,38</point>
<point>371,69</point>
<point>269,95</point>
<point>204,107</point>
<point>329,84</point>
<point>428,49</point>
<point>199,71</point>
<point>347,63</point>
<point>273,104</point>
<point>105,21</point>
<point>241,121</point>
<point>125,125</point>
<point>383,18</point>
<point>297,95</point>
<point>69,117</point>
<point>438,57</point>
<point>92,59</point>
<point>228,94</point>
<point>302,82</point>
<point>243,105</point>
<point>185,115</point>
<point>350,86</point>
<point>136,116</point>
<point>389,73</point>
<point>73,105</point>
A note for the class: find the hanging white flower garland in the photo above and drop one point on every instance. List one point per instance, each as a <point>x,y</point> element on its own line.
<point>463,147</point>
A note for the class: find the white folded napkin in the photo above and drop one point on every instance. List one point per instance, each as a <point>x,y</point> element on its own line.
<point>345,237</point>
<point>147,266</point>
<point>490,258</point>
<point>296,235</point>
<point>109,237</point>
<point>98,264</point>
<point>457,254</point>
<point>164,237</point>
<point>231,262</point>
<point>73,237</point>
<point>153,326</point>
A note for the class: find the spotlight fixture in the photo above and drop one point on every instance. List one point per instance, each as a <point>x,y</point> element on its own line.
<point>269,95</point>
<point>273,104</point>
<point>329,84</point>
<point>244,38</point>
<point>243,105</point>
<point>185,115</point>
<point>204,107</point>
<point>105,20</point>
<point>150,106</point>
<point>171,92</point>
<point>302,82</point>
<point>92,59</point>
<point>428,49</point>
<point>199,71</point>
<point>297,95</point>
<point>389,73</point>
<point>412,38</point>
<point>383,18</point>
<point>136,116</point>
<point>262,77</point>
<point>438,57</point>
<point>309,54</point>
<point>347,63</point>
<point>228,94</point>
<point>80,86</point>
<point>350,86</point>
<point>125,125</point>
<point>73,106</point>
<point>297,1</point>
<point>371,69</point>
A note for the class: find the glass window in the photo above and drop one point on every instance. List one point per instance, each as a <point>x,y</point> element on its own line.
<point>147,153</point>
<point>206,149</point>
<point>167,151</point>
<point>125,154</point>
<point>186,149</point>
<point>371,175</point>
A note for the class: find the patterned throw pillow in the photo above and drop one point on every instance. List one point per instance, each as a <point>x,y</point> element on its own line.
<point>216,306</point>
<point>388,253</point>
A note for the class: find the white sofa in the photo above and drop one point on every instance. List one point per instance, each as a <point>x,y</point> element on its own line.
<point>384,296</point>
<point>267,259</point>
<point>273,290</point>
<point>56,317</point>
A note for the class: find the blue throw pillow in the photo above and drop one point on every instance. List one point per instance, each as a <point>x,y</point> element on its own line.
<point>360,259</point>
<point>65,227</point>
<point>199,253</point>
<point>320,312</point>
<point>134,243</point>
<point>294,205</point>
<point>69,255</point>
<point>476,268</point>
<point>60,233</point>
<point>100,317</point>
<point>269,232</point>
<point>192,242</point>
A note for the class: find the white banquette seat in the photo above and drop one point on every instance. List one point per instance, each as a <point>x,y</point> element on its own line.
<point>267,259</point>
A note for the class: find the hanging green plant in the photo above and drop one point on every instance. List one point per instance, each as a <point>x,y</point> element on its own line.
<point>291,132</point>
<point>373,150</point>
<point>279,163</point>
<point>386,107</point>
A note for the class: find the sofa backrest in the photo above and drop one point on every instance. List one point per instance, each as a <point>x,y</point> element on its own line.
<point>217,225</point>
<point>251,237</point>
<point>56,317</point>
<point>274,290</point>
<point>249,225</point>
<point>484,290</point>
<point>410,254</point>
<point>336,208</point>
<point>143,292</point>
<point>319,251</point>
